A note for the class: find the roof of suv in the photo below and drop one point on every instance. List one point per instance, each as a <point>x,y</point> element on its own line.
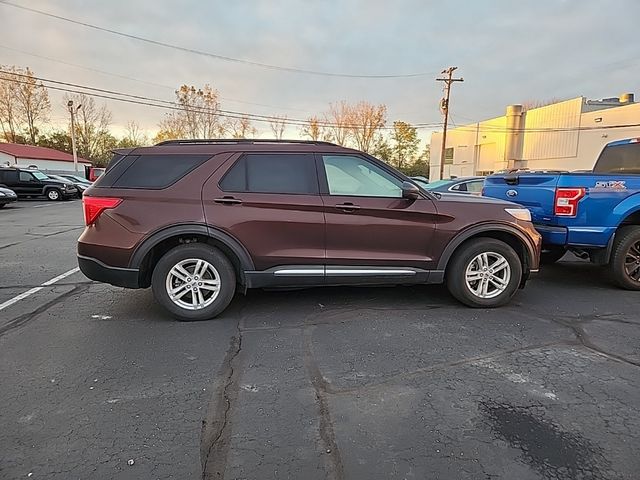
<point>214,146</point>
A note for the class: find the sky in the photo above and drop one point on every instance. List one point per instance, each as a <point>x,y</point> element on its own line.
<point>507,52</point>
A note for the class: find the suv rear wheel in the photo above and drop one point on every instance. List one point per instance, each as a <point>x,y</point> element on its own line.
<point>194,282</point>
<point>625,258</point>
<point>484,273</point>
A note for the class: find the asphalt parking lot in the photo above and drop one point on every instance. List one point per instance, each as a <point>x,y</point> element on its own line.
<point>97,382</point>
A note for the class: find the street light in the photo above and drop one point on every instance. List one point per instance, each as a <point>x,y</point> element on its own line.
<point>73,112</point>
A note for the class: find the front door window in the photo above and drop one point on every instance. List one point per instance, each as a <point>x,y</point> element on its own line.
<point>355,176</point>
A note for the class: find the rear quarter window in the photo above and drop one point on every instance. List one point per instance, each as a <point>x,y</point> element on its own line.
<point>150,171</point>
<point>619,159</point>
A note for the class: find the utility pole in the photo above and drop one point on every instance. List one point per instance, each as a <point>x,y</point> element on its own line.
<point>73,111</point>
<point>444,106</point>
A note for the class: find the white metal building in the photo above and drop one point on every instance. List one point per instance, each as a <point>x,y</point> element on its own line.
<point>47,159</point>
<point>566,135</point>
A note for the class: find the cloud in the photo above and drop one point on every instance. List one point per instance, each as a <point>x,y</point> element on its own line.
<point>507,52</point>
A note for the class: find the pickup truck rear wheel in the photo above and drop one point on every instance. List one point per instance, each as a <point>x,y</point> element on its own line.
<point>625,258</point>
<point>484,273</point>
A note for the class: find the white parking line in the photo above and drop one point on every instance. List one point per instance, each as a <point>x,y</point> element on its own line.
<point>33,290</point>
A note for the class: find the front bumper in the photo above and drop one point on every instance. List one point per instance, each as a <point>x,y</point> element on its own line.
<point>100,272</point>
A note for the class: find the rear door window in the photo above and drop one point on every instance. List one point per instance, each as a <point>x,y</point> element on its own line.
<point>623,158</point>
<point>288,173</point>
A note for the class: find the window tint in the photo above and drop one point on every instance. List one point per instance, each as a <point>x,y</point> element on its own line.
<point>8,176</point>
<point>356,176</point>
<point>461,187</point>
<point>153,171</point>
<point>272,173</point>
<point>619,159</point>
<point>26,177</point>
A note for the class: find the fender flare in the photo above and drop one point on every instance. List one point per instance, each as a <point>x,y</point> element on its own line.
<point>141,251</point>
<point>465,235</point>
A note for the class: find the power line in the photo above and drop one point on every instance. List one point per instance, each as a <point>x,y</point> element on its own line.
<point>209,54</point>
<point>125,77</point>
<point>159,103</point>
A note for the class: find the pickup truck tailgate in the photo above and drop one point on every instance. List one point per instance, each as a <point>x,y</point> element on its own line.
<point>535,191</point>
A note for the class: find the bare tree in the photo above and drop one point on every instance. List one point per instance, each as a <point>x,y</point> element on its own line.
<point>134,137</point>
<point>172,127</point>
<point>277,124</point>
<point>92,126</point>
<point>337,120</point>
<point>198,115</point>
<point>33,103</point>
<point>9,104</point>
<point>531,104</point>
<point>365,121</point>
<point>315,129</point>
<point>241,127</point>
<point>200,111</point>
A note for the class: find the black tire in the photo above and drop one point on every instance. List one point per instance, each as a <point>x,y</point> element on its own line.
<point>53,194</point>
<point>465,256</point>
<point>2,205</point>
<point>194,251</point>
<point>624,265</point>
<point>550,255</point>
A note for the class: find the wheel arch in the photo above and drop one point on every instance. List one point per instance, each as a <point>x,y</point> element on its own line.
<point>150,250</point>
<point>632,218</point>
<point>506,233</point>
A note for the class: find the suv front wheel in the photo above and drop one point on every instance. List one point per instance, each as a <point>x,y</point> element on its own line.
<point>194,282</point>
<point>484,273</point>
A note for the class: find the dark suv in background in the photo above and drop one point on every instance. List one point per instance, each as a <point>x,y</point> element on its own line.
<point>28,182</point>
<point>198,220</point>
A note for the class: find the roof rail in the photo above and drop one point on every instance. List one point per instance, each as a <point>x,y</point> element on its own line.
<point>214,141</point>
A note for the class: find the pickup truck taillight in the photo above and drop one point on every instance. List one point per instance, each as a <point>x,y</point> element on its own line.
<point>94,206</point>
<point>566,203</point>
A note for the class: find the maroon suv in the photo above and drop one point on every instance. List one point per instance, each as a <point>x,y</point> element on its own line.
<point>198,220</point>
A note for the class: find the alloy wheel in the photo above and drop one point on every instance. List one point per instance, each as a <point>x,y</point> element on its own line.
<point>488,275</point>
<point>632,262</point>
<point>193,284</point>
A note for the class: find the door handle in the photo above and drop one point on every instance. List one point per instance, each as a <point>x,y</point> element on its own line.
<point>228,201</point>
<point>348,207</point>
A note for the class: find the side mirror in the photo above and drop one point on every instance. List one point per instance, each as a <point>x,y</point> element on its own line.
<point>410,191</point>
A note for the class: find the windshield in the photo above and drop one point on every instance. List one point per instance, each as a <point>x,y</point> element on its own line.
<point>39,175</point>
<point>436,184</point>
<point>76,178</point>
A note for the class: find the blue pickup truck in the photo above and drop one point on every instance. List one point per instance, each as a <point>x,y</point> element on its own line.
<point>595,215</point>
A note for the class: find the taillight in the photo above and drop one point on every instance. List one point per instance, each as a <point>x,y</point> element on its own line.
<point>566,204</point>
<point>94,206</point>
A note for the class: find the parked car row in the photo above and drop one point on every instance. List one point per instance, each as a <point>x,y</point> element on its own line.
<point>30,182</point>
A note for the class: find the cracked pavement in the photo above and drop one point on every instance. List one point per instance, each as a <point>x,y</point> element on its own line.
<point>333,383</point>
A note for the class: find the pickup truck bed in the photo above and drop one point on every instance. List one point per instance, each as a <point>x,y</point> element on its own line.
<point>588,213</point>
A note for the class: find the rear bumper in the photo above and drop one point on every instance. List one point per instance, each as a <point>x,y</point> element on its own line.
<point>596,237</point>
<point>552,235</point>
<point>100,272</point>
